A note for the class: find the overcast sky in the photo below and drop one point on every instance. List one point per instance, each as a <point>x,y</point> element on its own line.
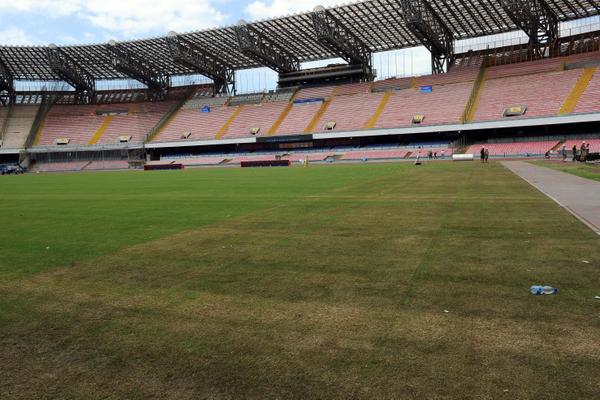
<point>40,22</point>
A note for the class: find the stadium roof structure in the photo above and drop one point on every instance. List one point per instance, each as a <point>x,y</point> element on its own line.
<point>381,25</point>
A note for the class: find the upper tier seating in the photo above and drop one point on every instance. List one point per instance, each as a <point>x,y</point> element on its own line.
<point>78,123</point>
<point>18,126</point>
<point>350,112</point>
<point>202,126</point>
<point>392,84</point>
<point>198,103</point>
<point>261,116</point>
<point>318,92</point>
<point>298,119</point>
<point>517,148</point>
<point>3,118</point>
<point>445,105</point>
<point>590,100</point>
<point>81,123</point>
<point>456,75</point>
<point>352,88</point>
<point>279,95</point>
<point>583,60</point>
<point>543,94</point>
<point>525,68</point>
<point>252,98</point>
<point>140,120</point>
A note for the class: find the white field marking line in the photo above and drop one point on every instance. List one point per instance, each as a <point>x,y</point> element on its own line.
<point>587,223</point>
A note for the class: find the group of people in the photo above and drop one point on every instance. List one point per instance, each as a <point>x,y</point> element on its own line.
<point>433,155</point>
<point>485,155</point>
<point>584,152</point>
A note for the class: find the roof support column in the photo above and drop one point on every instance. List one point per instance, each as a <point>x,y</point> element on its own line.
<point>538,21</point>
<point>141,70</point>
<point>422,20</point>
<point>75,75</point>
<point>256,45</point>
<point>341,40</point>
<point>7,85</point>
<point>189,54</point>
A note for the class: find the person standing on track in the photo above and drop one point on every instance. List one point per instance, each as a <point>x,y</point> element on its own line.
<point>483,154</point>
<point>487,155</point>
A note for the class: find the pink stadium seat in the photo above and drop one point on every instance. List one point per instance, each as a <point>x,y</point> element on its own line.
<point>374,154</point>
<point>317,156</point>
<point>140,120</point>
<point>107,165</point>
<point>78,123</point>
<point>445,105</point>
<point>517,148</point>
<point>353,88</point>
<point>60,166</point>
<point>202,126</point>
<point>318,92</point>
<point>543,94</point>
<point>594,144</point>
<point>525,68</point>
<point>298,119</point>
<point>350,112</point>
<point>261,116</point>
<point>590,101</point>
<point>455,75</point>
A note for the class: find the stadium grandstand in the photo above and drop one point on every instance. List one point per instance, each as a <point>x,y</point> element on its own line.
<point>544,90</point>
<point>339,232</point>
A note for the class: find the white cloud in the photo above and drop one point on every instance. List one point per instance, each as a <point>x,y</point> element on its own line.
<point>131,17</point>
<point>15,36</point>
<point>126,18</point>
<point>276,8</point>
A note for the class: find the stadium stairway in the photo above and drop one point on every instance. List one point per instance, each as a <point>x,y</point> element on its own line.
<point>232,118</point>
<point>375,118</point>
<point>578,90</point>
<point>310,128</point>
<point>471,107</point>
<point>166,119</point>
<point>101,130</point>
<point>286,111</point>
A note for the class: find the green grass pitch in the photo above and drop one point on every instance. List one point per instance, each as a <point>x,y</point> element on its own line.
<point>360,281</point>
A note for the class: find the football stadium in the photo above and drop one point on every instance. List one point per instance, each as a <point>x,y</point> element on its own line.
<point>344,234</point>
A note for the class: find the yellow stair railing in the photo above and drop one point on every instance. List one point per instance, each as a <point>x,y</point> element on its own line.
<point>232,118</point>
<point>101,130</point>
<point>280,119</point>
<point>578,91</point>
<point>384,101</point>
<point>471,106</point>
<point>317,117</point>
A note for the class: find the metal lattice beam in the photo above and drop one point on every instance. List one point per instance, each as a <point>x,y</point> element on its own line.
<point>421,19</point>
<point>192,56</point>
<point>538,21</point>
<point>379,24</point>
<point>341,40</point>
<point>141,70</point>
<point>7,88</point>
<point>74,74</point>
<point>256,45</point>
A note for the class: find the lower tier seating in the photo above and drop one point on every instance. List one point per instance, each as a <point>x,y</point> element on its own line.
<point>516,148</point>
